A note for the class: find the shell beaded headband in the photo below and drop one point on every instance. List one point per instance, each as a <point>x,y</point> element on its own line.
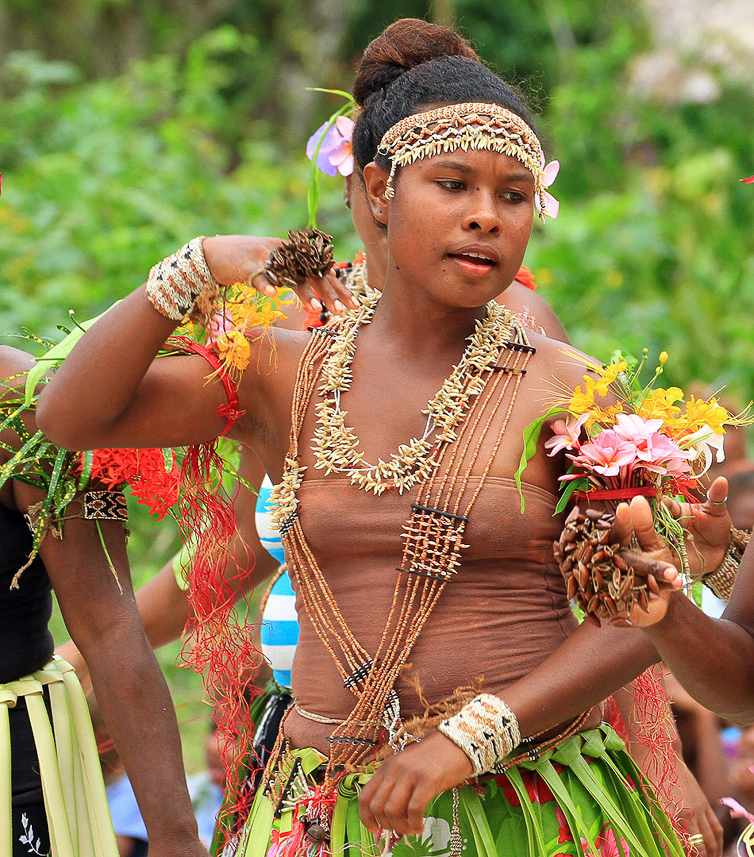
<point>467,126</point>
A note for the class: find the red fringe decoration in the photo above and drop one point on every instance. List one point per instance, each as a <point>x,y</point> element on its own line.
<point>220,645</point>
<point>615,718</point>
<point>655,730</point>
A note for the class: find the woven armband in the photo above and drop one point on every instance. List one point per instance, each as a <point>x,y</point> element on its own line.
<point>105,506</point>
<point>485,729</point>
<point>176,282</point>
<point>721,580</point>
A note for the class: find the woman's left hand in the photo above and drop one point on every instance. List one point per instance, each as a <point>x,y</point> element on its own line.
<point>708,525</point>
<point>397,796</point>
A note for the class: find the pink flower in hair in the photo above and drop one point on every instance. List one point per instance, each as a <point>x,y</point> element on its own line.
<point>551,206</point>
<point>335,154</point>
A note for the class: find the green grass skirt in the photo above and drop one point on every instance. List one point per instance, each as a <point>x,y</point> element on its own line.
<point>584,798</point>
<point>78,817</point>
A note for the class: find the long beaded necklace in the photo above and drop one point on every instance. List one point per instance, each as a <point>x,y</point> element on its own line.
<point>335,445</point>
<point>433,540</point>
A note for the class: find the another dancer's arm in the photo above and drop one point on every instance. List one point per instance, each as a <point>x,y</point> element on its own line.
<point>712,658</point>
<point>130,688</point>
<point>164,605</point>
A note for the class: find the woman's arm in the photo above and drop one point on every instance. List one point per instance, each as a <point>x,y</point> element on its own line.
<point>111,392</point>
<point>131,691</point>
<point>526,301</point>
<point>164,606</point>
<point>712,658</point>
<point>683,791</point>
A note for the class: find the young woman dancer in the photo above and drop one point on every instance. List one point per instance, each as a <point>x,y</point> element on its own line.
<point>458,218</point>
<point>52,799</point>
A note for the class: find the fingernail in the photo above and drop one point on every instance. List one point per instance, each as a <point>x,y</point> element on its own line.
<point>315,305</point>
<point>271,291</point>
<point>338,306</point>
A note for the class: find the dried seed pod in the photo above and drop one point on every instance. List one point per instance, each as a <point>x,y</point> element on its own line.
<point>642,599</point>
<point>593,514</point>
<point>572,587</point>
<point>652,584</point>
<point>619,562</point>
<point>596,578</point>
<point>584,552</point>
<point>306,253</point>
<point>582,575</point>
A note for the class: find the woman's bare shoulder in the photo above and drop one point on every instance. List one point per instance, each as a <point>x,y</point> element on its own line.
<point>560,361</point>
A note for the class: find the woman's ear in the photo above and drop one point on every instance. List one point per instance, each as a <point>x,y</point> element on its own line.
<point>375,184</point>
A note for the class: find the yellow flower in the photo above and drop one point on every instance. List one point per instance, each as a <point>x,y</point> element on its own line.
<point>700,412</point>
<point>663,358</point>
<point>234,350</point>
<point>660,405</point>
<point>608,375</point>
<point>581,402</point>
<point>603,416</point>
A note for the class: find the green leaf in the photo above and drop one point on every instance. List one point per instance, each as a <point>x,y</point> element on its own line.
<point>87,463</point>
<point>580,484</point>
<point>531,438</point>
<point>6,471</point>
<point>57,355</point>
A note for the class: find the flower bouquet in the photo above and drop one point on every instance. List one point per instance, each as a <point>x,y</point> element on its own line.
<point>625,439</point>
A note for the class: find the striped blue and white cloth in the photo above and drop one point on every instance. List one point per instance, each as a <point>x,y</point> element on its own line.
<point>279,632</point>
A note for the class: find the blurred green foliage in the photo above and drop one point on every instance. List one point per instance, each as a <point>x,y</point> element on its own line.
<point>112,158</point>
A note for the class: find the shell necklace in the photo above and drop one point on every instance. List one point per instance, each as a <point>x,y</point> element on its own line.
<point>335,444</point>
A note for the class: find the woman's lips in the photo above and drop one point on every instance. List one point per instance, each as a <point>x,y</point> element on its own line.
<point>471,264</point>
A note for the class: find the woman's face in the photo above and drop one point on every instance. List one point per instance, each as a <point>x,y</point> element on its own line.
<point>458,225</point>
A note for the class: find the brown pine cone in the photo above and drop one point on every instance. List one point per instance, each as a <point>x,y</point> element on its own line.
<point>596,575</point>
<point>306,253</point>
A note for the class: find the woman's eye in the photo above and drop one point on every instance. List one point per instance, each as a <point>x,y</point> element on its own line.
<point>452,184</point>
<point>513,196</point>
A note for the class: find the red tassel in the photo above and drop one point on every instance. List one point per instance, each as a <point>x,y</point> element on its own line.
<point>220,646</point>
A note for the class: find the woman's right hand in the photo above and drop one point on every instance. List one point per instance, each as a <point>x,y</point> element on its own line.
<point>238,258</point>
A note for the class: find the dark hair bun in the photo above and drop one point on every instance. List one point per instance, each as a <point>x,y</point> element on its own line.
<point>405,44</point>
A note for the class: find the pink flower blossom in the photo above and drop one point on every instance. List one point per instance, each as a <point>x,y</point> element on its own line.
<point>564,831</point>
<point>606,454</point>
<point>548,205</point>
<point>607,845</point>
<point>632,427</point>
<point>654,451</point>
<point>750,180</point>
<point>736,810</point>
<point>220,324</point>
<point>566,434</point>
<point>335,154</point>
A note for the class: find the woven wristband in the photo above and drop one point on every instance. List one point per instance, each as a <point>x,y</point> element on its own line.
<point>176,282</point>
<point>485,729</point>
<point>721,580</point>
